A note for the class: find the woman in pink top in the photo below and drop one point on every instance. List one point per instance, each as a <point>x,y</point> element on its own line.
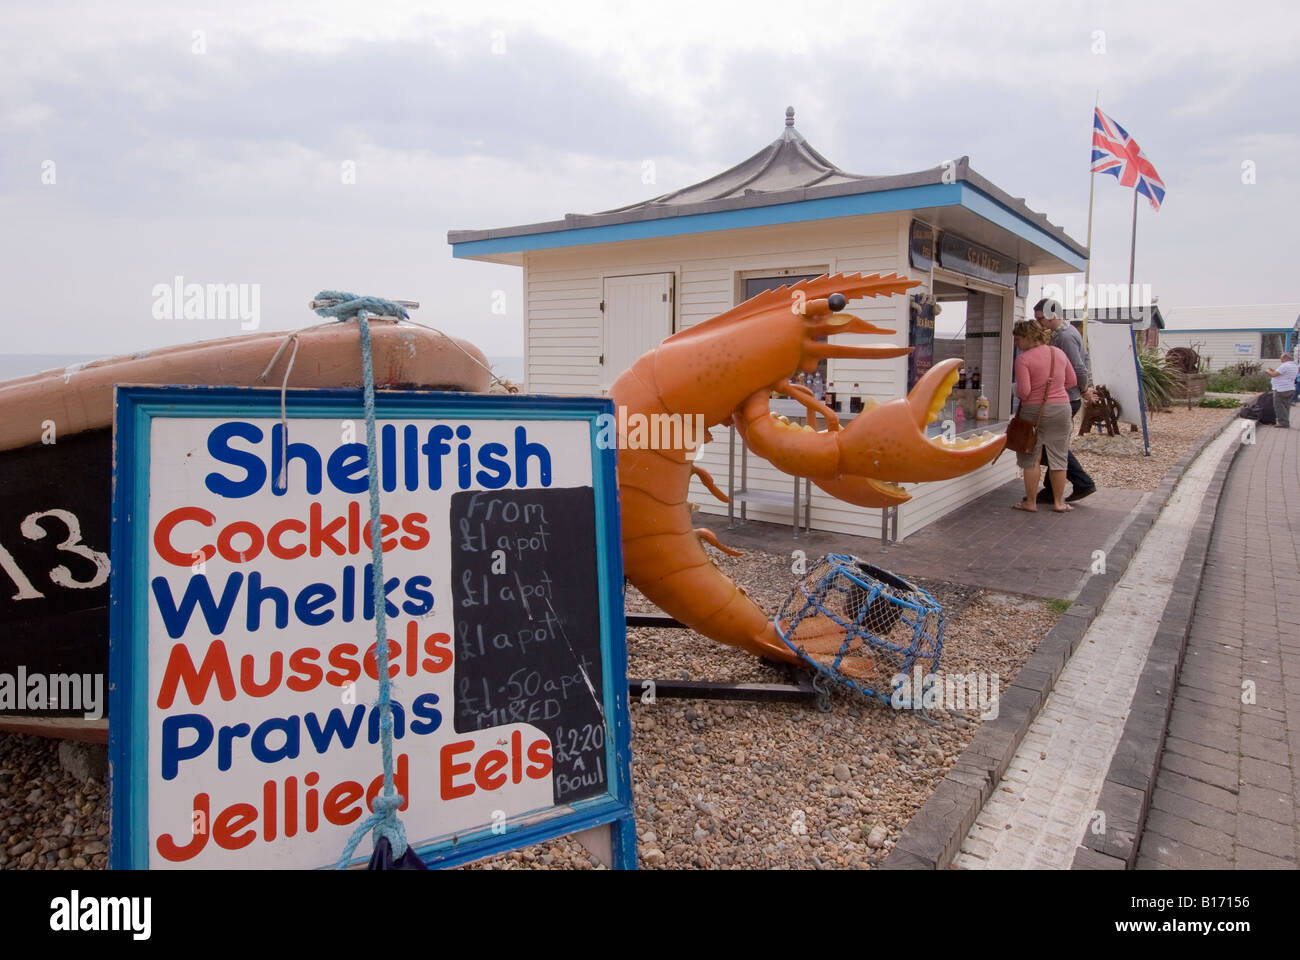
<point>1033,386</point>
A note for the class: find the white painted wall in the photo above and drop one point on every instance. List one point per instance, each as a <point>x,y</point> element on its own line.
<point>1221,347</point>
<point>563,291</point>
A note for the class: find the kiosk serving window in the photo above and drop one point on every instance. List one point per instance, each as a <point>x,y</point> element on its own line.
<point>969,327</point>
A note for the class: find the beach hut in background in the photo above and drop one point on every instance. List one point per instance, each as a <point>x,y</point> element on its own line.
<point>603,288</point>
<point>1146,321</point>
<point>1232,334</point>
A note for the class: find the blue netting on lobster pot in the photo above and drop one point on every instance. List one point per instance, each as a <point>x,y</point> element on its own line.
<point>862,627</point>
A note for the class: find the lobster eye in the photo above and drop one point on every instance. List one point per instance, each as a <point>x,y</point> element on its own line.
<point>837,302</point>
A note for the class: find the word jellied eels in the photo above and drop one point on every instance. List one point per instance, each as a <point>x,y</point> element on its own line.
<point>346,467</point>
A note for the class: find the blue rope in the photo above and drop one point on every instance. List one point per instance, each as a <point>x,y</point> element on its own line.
<point>384,820</point>
<point>345,306</point>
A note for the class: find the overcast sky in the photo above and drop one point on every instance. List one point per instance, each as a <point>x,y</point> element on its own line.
<point>211,141</point>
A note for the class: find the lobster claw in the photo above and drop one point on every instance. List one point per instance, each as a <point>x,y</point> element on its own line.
<point>888,441</point>
<point>865,492</point>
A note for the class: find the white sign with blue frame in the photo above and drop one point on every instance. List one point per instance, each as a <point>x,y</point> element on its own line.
<point>244,731</point>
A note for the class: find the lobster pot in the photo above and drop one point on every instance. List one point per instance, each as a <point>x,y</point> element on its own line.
<point>862,626</point>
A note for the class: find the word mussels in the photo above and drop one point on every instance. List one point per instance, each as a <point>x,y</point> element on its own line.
<point>402,460</point>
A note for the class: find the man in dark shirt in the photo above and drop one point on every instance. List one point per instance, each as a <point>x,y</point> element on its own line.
<point>1051,317</point>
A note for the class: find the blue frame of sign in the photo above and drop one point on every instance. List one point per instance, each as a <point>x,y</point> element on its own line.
<point>140,409</point>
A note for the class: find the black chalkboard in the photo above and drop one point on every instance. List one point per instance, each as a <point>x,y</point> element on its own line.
<point>527,621</point>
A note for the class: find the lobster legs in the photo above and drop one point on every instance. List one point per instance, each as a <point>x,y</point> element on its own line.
<point>663,556</point>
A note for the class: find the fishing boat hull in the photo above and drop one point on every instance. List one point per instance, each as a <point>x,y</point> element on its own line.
<point>56,483</point>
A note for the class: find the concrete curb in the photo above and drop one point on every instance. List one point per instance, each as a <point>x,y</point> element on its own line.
<point>1126,792</point>
<point>933,837</point>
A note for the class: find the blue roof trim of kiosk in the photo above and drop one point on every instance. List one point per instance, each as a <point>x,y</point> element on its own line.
<point>825,208</point>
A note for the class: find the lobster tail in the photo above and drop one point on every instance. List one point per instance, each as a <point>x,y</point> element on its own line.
<point>663,557</point>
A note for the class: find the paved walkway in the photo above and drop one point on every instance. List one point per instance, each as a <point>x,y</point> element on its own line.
<point>983,544</point>
<point>1049,793</point>
<point>1225,794</point>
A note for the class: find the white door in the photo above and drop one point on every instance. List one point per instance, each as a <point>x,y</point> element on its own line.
<point>638,317</point>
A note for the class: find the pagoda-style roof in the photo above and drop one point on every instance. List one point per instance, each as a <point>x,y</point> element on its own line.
<point>776,185</point>
<point>787,163</point>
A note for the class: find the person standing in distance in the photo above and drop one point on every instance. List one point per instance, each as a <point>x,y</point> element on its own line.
<point>1283,384</point>
<point>1051,317</point>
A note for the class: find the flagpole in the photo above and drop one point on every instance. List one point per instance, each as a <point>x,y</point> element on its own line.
<point>1087,264</point>
<point>1132,259</point>
<point>1132,248</point>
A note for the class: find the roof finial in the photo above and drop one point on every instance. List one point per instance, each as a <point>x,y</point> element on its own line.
<point>789,116</point>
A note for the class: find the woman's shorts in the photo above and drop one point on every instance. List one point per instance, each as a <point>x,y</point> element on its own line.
<point>1053,434</point>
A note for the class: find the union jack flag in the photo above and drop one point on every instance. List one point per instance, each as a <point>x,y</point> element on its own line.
<point>1116,153</point>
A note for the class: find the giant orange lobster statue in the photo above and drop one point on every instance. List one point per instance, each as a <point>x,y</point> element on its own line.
<point>726,369</point>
